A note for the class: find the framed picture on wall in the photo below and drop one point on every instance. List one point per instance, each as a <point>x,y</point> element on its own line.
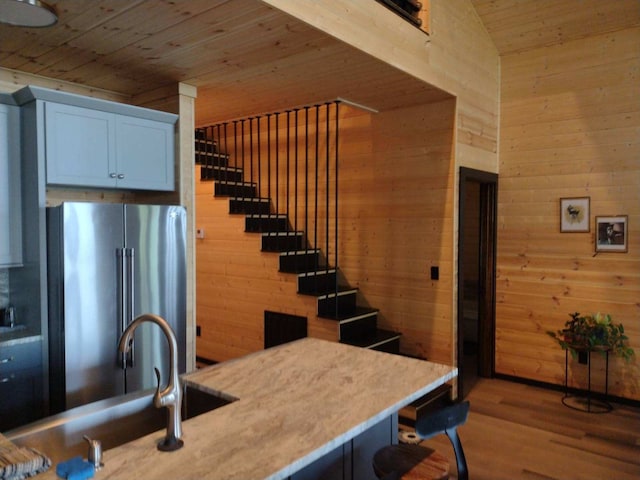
<point>611,234</point>
<point>574,214</point>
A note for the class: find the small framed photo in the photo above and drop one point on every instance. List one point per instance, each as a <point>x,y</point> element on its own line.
<point>574,214</point>
<point>611,234</point>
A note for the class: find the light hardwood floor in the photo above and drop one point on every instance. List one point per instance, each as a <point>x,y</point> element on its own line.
<point>518,431</point>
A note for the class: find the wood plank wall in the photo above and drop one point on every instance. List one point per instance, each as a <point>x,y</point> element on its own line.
<point>460,59</point>
<point>395,222</point>
<point>236,283</point>
<point>570,127</point>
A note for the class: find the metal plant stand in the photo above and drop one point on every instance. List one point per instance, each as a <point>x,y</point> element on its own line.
<point>587,402</point>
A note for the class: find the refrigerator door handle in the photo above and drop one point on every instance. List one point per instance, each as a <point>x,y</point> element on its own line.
<point>131,295</point>
<point>121,289</point>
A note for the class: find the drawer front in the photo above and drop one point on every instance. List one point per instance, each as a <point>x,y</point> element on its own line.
<point>16,358</point>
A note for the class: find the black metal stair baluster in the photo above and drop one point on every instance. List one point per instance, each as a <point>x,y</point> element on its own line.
<point>214,151</point>
<point>295,183</point>
<point>235,145</point>
<point>326,218</point>
<point>221,166</point>
<point>224,152</point>
<point>196,143</point>
<point>208,148</point>
<point>259,146</point>
<point>287,190</point>
<point>315,213</point>
<point>251,150</point>
<point>242,142</point>
<point>204,152</point>
<point>306,174</point>
<point>216,161</point>
<point>269,157</point>
<point>336,205</point>
<point>277,176</point>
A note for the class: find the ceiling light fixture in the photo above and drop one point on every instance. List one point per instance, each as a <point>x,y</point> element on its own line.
<point>27,13</point>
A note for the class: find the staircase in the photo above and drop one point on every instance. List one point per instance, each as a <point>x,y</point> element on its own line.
<point>336,301</point>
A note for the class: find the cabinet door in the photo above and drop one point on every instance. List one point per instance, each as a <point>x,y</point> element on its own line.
<point>80,146</point>
<point>20,399</point>
<point>145,154</point>
<point>10,202</point>
<point>21,384</point>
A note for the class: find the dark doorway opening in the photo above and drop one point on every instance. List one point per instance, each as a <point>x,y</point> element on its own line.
<point>476,277</point>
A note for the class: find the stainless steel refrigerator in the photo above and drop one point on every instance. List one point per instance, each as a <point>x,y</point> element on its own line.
<point>107,264</point>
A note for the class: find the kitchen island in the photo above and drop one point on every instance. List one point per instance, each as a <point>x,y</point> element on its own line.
<point>294,406</point>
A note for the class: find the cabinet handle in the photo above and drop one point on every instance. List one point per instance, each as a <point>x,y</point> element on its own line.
<point>7,379</point>
<point>120,176</point>
<point>112,175</point>
<point>7,360</point>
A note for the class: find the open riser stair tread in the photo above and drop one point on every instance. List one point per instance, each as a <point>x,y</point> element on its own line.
<point>225,174</point>
<point>261,223</point>
<point>234,189</point>
<point>362,324</point>
<point>300,261</point>
<point>211,159</point>
<point>335,306</point>
<point>249,206</point>
<point>282,241</point>
<point>381,339</point>
<point>318,282</point>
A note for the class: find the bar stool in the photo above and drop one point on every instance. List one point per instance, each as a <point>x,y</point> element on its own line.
<point>409,462</point>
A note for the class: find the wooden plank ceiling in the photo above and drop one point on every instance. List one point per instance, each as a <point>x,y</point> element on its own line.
<point>244,56</point>
<point>247,58</point>
<point>520,25</point>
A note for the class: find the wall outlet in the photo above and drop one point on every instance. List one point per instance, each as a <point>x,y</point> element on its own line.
<point>199,232</point>
<point>435,273</point>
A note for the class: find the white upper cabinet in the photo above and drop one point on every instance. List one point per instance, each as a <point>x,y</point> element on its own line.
<point>10,202</point>
<point>96,143</point>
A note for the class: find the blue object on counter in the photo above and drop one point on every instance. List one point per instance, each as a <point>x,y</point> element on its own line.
<point>75,469</point>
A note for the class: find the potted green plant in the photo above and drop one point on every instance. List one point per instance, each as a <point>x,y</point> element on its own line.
<point>595,332</point>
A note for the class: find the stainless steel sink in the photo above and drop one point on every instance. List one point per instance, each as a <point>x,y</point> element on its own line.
<point>113,421</point>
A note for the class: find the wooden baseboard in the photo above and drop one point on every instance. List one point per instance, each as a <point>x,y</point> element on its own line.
<point>571,390</point>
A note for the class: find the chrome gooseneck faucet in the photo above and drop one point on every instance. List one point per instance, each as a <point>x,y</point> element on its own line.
<point>171,396</point>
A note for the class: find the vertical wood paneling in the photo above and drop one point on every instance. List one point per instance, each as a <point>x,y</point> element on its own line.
<point>570,127</point>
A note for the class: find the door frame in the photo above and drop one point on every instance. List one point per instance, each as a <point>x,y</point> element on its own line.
<point>487,277</point>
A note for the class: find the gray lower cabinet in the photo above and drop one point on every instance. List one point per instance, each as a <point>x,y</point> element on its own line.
<point>10,200</point>
<point>21,384</point>
<point>353,460</point>
<point>92,148</point>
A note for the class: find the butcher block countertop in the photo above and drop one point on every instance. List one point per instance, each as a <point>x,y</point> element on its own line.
<point>294,404</point>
